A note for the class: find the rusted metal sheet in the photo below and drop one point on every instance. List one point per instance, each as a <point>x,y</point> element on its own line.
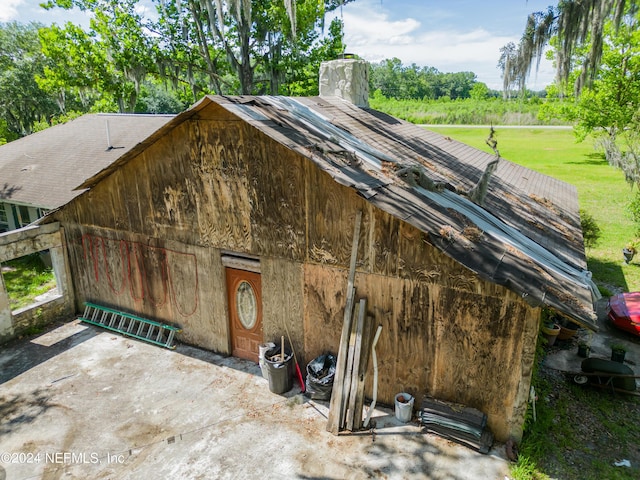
<point>528,212</point>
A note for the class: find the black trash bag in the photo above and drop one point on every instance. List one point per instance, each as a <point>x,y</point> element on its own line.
<point>320,373</point>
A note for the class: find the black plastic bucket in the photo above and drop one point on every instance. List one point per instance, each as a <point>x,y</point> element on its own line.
<point>280,373</point>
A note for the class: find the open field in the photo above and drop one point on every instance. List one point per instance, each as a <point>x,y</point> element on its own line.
<point>602,190</point>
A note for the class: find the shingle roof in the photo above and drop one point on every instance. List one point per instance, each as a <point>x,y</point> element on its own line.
<point>44,168</point>
<point>526,236</point>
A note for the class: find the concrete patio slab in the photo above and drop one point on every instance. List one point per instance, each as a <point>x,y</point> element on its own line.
<point>79,402</point>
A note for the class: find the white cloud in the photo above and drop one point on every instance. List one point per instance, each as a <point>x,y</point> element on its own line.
<point>371,34</point>
<point>146,9</point>
<point>9,10</point>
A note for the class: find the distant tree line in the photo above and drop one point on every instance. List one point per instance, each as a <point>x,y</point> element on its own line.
<point>160,62</point>
<point>393,80</point>
<point>412,82</point>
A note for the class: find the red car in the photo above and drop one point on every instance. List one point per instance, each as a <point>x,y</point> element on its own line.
<point>624,311</point>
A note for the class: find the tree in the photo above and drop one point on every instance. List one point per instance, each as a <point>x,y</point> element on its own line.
<point>231,47</point>
<point>76,68</point>
<point>114,58</point>
<point>385,77</point>
<point>185,55</point>
<point>23,102</point>
<point>262,42</point>
<point>574,23</point>
<point>510,65</point>
<point>479,91</point>
<point>457,85</point>
<point>157,98</point>
<point>302,79</point>
<point>394,80</point>
<point>610,108</point>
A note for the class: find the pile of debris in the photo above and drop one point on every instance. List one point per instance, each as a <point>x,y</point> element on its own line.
<point>457,423</point>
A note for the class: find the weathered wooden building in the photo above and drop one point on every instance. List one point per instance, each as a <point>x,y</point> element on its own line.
<point>234,220</point>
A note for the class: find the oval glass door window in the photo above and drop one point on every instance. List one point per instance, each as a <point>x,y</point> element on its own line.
<point>246,305</point>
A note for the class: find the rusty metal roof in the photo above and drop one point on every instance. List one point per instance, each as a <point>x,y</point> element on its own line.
<point>525,236</point>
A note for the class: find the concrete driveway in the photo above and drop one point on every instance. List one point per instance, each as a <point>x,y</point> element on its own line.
<point>80,402</point>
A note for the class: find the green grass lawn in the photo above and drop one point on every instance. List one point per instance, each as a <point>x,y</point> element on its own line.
<point>25,278</point>
<point>602,190</point>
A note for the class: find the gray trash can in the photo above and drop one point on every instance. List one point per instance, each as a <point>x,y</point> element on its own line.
<point>280,373</point>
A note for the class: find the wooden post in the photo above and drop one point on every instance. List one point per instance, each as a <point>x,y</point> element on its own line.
<point>354,371</point>
<point>337,396</point>
<point>360,381</point>
<point>346,385</point>
<point>6,318</point>
<point>375,377</point>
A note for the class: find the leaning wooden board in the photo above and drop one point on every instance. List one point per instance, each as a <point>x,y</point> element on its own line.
<point>334,418</point>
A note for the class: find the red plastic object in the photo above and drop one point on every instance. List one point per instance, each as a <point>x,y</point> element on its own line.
<point>624,311</point>
<point>303,387</point>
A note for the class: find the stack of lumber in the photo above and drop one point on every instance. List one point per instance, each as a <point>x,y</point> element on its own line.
<point>347,396</point>
<point>457,423</point>
<point>357,360</point>
<point>349,390</point>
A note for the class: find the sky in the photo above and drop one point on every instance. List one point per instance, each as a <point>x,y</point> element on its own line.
<point>450,35</point>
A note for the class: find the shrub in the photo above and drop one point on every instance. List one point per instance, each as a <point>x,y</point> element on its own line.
<point>634,207</point>
<point>591,232</point>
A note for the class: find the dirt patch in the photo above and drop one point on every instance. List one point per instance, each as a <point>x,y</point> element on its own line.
<point>141,433</point>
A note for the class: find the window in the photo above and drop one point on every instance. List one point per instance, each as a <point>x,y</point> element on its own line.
<point>21,215</point>
<point>4,219</point>
<point>30,279</point>
<point>25,218</point>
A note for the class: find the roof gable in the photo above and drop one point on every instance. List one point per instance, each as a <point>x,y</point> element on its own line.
<point>526,236</point>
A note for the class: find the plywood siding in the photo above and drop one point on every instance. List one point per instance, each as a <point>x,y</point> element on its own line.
<point>446,332</point>
<point>283,304</point>
<point>209,183</point>
<point>331,210</point>
<point>163,280</point>
<point>277,180</point>
<point>149,237</point>
<point>435,340</point>
<point>384,243</point>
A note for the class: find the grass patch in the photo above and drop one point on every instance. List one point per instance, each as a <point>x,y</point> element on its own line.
<point>25,278</point>
<point>602,190</point>
<point>465,111</point>
<point>579,432</point>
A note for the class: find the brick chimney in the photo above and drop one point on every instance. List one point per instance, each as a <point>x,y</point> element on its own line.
<point>347,78</point>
